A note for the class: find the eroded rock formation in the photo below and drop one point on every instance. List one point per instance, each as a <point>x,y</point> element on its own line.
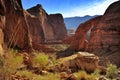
<point>23,30</point>
<point>2,24</point>
<point>104,32</point>
<point>53,25</point>
<point>16,30</point>
<point>82,35</point>
<point>104,35</point>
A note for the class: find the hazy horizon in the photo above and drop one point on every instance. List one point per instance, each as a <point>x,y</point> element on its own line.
<point>70,8</point>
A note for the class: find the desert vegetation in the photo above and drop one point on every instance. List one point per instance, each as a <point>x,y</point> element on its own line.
<point>23,66</point>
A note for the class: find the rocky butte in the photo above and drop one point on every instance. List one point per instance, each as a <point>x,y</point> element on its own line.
<point>101,35</point>
<point>53,27</point>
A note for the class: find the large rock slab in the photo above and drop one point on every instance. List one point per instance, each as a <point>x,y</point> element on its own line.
<point>76,62</point>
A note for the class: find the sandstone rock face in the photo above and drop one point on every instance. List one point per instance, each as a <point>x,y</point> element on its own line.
<point>16,32</point>
<point>36,31</point>
<point>81,38</point>
<point>40,13</point>
<point>106,35</point>
<point>103,36</point>
<point>103,32</point>
<point>81,60</point>
<point>52,25</point>
<point>57,23</point>
<point>2,24</point>
<point>23,30</point>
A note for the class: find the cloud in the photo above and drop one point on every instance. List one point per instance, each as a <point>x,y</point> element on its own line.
<point>97,8</point>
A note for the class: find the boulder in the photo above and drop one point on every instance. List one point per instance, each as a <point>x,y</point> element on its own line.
<point>76,62</point>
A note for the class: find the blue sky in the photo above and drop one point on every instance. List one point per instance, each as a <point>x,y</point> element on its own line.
<point>70,8</point>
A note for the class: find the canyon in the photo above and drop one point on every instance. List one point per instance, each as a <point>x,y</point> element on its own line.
<point>37,43</point>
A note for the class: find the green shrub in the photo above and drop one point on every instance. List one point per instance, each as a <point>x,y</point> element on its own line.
<point>31,76</point>
<point>40,61</point>
<point>54,61</point>
<point>51,76</point>
<point>11,64</point>
<point>111,71</point>
<point>95,75</point>
<point>13,51</point>
<point>82,75</point>
<point>26,74</point>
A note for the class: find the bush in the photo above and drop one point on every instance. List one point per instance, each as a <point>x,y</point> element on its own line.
<point>82,75</point>
<point>111,71</point>
<point>11,64</point>
<point>95,75</point>
<point>31,76</point>
<point>51,76</point>
<point>40,61</point>
<point>26,74</point>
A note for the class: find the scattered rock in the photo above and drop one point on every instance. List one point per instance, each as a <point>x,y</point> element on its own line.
<point>64,75</point>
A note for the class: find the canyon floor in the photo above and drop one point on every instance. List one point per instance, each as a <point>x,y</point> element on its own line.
<point>17,65</point>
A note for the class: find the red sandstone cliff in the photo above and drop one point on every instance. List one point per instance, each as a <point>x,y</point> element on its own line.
<point>104,32</point>
<point>2,24</point>
<point>81,38</point>
<point>23,30</point>
<point>53,25</point>
<point>16,32</point>
<point>104,35</point>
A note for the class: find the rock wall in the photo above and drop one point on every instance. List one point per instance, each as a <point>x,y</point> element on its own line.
<point>53,25</point>
<point>100,33</point>
<point>16,32</point>
<point>22,30</point>
<point>36,31</point>
<point>57,22</point>
<point>2,24</point>
<point>82,35</point>
<point>106,35</point>
<point>103,36</point>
